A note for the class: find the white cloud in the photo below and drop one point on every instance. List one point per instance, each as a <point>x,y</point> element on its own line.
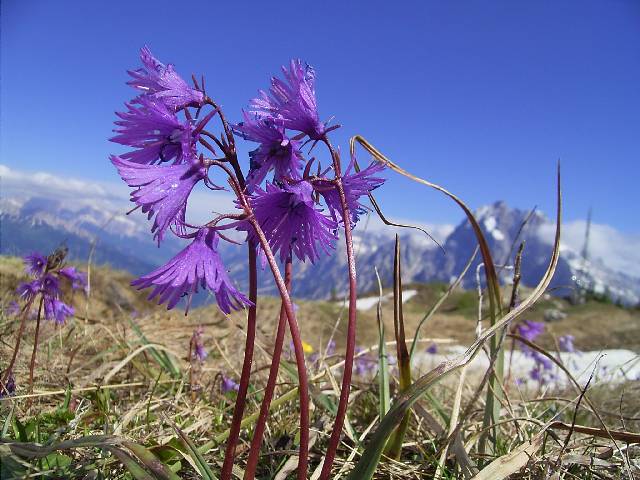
<point>75,193</point>
<point>616,250</point>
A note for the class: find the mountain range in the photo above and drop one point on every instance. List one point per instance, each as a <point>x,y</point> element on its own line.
<point>108,236</point>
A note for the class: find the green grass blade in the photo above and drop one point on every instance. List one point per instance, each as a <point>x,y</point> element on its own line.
<point>153,463</point>
<point>384,394</point>
<point>130,464</point>
<point>196,456</point>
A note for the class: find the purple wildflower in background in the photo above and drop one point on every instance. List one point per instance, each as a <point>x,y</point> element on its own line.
<point>276,151</point>
<point>50,285</point>
<point>155,131</point>
<point>228,384</point>
<point>198,265</point>
<point>198,345</point>
<point>162,191</point>
<point>355,185</point>
<point>291,222</point>
<point>57,310</point>
<point>28,290</point>
<point>9,388</point>
<point>293,101</point>
<point>163,83</point>
<point>35,264</point>
<point>12,309</point>
<point>530,330</point>
<point>432,349</point>
<point>566,343</point>
<point>364,363</point>
<point>78,279</point>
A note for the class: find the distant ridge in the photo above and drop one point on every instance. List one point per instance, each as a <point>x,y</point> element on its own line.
<point>39,223</point>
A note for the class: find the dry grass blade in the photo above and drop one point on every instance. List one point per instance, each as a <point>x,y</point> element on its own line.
<point>394,447</point>
<point>512,462</point>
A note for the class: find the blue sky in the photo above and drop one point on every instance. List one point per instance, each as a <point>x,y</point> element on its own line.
<point>481,97</point>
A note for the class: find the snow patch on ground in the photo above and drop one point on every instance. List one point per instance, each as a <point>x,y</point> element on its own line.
<point>367,303</point>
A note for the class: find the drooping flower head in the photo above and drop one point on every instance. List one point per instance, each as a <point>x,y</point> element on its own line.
<point>162,82</point>
<point>276,152</point>
<point>35,264</point>
<point>355,185</point>
<point>198,345</point>
<point>530,330</point>
<point>50,285</point>
<point>8,388</point>
<point>292,101</point>
<point>291,222</point>
<point>566,343</point>
<point>197,266</point>
<point>57,310</point>
<point>155,131</point>
<point>228,384</point>
<point>27,291</point>
<point>162,190</point>
<point>78,279</point>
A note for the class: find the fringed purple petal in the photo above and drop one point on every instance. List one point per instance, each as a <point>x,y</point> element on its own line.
<point>199,264</point>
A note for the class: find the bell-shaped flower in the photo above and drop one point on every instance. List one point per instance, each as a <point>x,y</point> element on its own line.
<point>162,82</point>
<point>276,152</point>
<point>197,266</point>
<point>156,132</point>
<point>35,264</point>
<point>355,185</point>
<point>292,101</point>
<point>291,222</point>
<point>161,190</point>
<point>57,310</point>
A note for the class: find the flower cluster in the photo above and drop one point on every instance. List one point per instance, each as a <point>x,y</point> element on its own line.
<point>48,274</point>
<point>164,130</point>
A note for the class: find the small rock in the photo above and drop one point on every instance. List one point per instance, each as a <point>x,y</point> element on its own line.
<point>554,315</point>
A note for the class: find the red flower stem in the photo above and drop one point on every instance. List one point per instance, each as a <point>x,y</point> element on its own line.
<point>241,397</point>
<point>12,362</point>
<point>256,442</point>
<point>303,462</point>
<point>32,364</point>
<point>334,441</point>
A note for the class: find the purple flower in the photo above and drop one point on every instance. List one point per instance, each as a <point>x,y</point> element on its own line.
<point>12,309</point>
<point>292,101</point>
<point>432,349</point>
<point>291,222</point>
<point>331,348</point>
<point>198,265</point>
<point>198,346</point>
<point>57,310</point>
<point>50,285</point>
<point>228,384</point>
<point>28,290</point>
<point>530,330</point>
<point>355,185</point>
<point>78,279</point>
<point>276,151</point>
<point>566,343</point>
<point>156,133</point>
<point>163,191</point>
<point>163,83</point>
<point>364,364</point>
<point>9,388</point>
<point>35,264</point>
